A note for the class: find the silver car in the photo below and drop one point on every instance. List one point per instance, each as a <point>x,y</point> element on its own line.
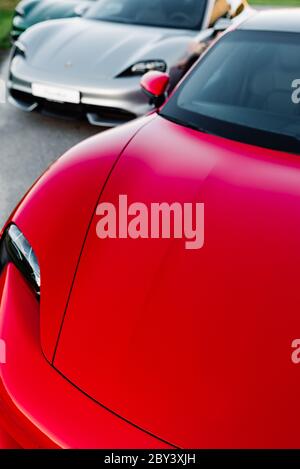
<point>92,65</point>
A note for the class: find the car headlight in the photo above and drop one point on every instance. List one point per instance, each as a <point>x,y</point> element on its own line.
<point>140,68</point>
<point>15,248</point>
<point>20,49</point>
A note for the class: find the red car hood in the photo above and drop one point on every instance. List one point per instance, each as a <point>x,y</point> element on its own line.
<point>195,346</point>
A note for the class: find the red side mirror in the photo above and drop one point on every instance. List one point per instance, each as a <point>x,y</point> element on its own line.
<point>155,85</point>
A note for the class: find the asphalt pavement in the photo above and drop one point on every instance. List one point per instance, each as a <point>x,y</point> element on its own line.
<point>29,143</point>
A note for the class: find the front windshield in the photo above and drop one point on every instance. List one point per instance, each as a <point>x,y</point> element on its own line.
<point>246,88</point>
<point>180,14</point>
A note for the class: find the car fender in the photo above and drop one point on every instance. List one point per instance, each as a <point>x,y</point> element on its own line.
<point>66,195</point>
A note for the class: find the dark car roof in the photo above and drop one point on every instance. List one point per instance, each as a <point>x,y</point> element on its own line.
<point>285,20</point>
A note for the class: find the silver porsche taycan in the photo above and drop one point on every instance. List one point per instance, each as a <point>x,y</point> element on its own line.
<point>92,65</point>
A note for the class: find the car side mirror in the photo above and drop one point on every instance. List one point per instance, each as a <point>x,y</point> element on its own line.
<point>222,24</point>
<point>155,85</point>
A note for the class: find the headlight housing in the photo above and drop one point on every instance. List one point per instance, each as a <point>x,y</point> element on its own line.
<point>140,68</point>
<point>19,10</point>
<point>20,49</point>
<point>16,248</point>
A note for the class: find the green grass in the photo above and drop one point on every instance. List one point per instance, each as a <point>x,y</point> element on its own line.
<point>283,3</point>
<point>5,25</point>
<point>6,14</point>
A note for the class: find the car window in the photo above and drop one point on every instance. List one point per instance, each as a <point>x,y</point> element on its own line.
<point>181,14</point>
<point>244,88</point>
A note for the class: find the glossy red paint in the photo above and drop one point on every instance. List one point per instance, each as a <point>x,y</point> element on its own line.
<point>6,442</point>
<point>41,409</point>
<point>191,346</point>
<point>55,215</point>
<point>201,338</point>
<point>155,83</point>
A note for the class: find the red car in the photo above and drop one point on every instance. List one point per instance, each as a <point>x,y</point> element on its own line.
<point>142,343</point>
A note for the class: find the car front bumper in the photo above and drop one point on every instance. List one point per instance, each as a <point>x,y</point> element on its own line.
<point>39,408</point>
<point>107,102</point>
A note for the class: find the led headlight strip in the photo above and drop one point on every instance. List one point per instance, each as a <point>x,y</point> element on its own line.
<point>16,248</point>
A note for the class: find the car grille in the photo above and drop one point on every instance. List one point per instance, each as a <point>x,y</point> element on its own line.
<point>113,116</point>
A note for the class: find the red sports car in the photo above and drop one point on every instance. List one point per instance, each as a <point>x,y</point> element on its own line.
<point>142,342</point>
